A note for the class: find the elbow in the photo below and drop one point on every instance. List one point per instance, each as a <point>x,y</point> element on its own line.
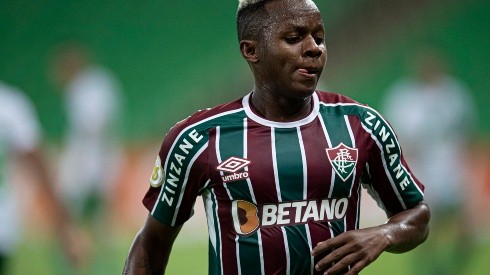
<point>424,221</point>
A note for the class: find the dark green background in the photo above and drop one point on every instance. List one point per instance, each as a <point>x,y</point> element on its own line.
<point>174,57</point>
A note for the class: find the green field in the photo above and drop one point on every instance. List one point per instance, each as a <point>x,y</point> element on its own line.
<point>42,256</point>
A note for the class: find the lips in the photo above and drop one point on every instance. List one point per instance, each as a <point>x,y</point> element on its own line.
<point>308,72</point>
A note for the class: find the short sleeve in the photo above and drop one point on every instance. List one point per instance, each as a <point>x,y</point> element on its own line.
<point>180,172</point>
<point>386,175</point>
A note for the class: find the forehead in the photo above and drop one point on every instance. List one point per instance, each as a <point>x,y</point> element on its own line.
<point>292,12</point>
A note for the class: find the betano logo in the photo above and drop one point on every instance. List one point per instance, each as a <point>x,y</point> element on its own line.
<point>248,217</point>
<point>230,168</point>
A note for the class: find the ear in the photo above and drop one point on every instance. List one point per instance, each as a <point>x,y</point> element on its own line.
<point>248,48</point>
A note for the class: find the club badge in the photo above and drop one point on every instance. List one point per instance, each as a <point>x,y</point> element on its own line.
<point>343,160</point>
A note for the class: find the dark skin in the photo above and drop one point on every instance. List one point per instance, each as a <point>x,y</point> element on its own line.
<point>287,61</point>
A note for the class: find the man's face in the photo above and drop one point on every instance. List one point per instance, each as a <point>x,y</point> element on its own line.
<point>292,52</point>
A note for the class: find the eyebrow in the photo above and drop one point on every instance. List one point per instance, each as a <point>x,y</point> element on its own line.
<point>293,26</point>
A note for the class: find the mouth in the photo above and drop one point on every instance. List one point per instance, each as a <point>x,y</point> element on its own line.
<point>308,72</point>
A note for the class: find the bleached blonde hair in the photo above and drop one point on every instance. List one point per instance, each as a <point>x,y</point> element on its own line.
<point>244,3</point>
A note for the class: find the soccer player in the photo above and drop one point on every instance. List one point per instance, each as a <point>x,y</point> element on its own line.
<point>280,170</point>
<point>20,146</point>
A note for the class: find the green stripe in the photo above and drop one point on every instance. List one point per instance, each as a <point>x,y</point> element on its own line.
<point>289,164</point>
<point>338,133</point>
<point>231,143</point>
<point>291,176</point>
<point>249,254</point>
<point>298,244</point>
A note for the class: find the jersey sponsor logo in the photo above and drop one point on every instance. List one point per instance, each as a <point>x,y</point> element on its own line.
<point>233,169</point>
<point>176,169</point>
<point>343,160</point>
<point>248,217</point>
<point>391,149</point>
<point>156,179</point>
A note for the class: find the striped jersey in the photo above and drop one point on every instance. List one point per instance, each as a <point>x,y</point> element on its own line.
<point>273,190</point>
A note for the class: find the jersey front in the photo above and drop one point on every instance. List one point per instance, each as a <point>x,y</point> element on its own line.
<point>273,190</point>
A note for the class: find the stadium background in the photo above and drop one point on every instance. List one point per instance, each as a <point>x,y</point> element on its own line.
<point>174,57</point>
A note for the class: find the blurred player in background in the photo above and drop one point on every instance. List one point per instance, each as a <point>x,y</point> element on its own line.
<point>280,170</point>
<point>434,115</point>
<point>91,152</point>
<point>20,141</point>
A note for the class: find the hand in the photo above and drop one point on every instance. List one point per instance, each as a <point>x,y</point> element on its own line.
<point>356,248</point>
<point>75,244</point>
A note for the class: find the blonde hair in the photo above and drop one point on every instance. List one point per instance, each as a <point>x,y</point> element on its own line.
<point>244,3</point>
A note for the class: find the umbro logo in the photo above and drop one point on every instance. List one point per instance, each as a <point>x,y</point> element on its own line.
<point>233,169</point>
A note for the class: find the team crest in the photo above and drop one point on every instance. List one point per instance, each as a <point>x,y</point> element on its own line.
<point>156,179</point>
<point>343,160</point>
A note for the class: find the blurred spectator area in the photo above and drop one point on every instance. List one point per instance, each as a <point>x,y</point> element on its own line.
<point>174,57</point>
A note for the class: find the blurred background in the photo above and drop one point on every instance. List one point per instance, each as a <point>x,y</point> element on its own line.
<point>159,61</point>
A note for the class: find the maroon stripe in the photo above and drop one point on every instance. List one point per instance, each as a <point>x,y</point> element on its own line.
<point>261,169</point>
<point>262,178</point>
<point>274,251</point>
<point>319,171</point>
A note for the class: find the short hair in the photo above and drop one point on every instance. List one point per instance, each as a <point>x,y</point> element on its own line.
<point>251,18</point>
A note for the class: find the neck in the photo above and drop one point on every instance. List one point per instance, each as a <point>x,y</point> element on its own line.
<point>278,108</point>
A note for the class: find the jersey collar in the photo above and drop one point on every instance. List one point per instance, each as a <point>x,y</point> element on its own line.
<point>253,116</point>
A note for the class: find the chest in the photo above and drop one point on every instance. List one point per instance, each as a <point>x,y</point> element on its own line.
<point>268,165</point>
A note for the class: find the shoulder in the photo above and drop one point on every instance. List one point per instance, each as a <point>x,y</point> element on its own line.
<point>203,120</point>
<point>332,102</point>
<point>334,98</point>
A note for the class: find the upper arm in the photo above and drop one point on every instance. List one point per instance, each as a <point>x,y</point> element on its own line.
<point>151,248</point>
<point>153,232</point>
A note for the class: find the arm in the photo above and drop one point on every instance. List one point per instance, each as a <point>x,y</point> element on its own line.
<point>358,248</point>
<point>151,248</point>
<point>63,223</point>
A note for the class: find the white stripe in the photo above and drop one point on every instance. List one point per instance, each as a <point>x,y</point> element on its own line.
<point>211,229</point>
<point>204,186</point>
<point>329,142</point>
<point>305,167</point>
<point>353,142</point>
<point>252,194</point>
<point>332,181</point>
<point>358,210</point>
<point>239,265</point>
<point>208,207</point>
<point>186,178</point>
<point>305,187</point>
<point>286,246</point>
<point>312,259</point>
<point>274,164</point>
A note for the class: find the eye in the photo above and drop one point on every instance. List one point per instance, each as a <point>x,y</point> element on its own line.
<point>292,39</point>
<point>319,40</point>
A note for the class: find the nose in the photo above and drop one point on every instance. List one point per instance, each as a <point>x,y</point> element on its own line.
<point>311,48</point>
